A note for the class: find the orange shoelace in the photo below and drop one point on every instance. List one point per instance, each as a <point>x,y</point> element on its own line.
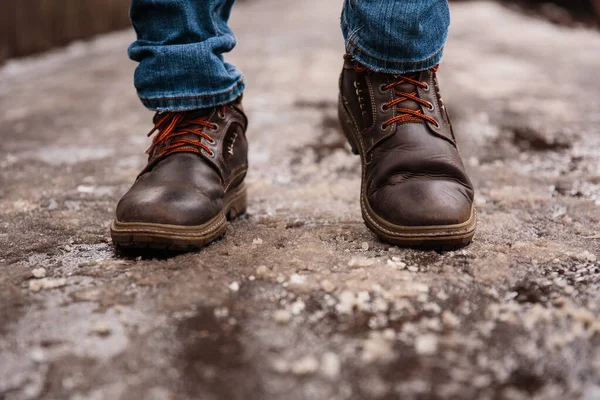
<point>174,126</point>
<point>406,114</point>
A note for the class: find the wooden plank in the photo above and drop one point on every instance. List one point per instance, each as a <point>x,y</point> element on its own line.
<point>30,26</point>
<point>596,4</point>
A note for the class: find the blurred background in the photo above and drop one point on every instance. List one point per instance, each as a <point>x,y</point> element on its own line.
<point>30,26</point>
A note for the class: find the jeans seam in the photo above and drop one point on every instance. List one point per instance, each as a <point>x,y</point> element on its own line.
<point>355,46</point>
<point>352,34</point>
<point>199,96</point>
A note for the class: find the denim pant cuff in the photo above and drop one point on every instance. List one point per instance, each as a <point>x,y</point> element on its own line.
<point>389,66</point>
<point>194,101</point>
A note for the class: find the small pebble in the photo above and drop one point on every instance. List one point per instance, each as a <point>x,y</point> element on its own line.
<point>262,271</point>
<point>52,205</point>
<point>46,283</point>
<point>221,312</point>
<point>388,334</point>
<point>396,263</point>
<point>39,273</point>
<point>587,256</point>
<point>449,319</point>
<point>346,302</point>
<point>433,307</point>
<point>328,286</point>
<point>442,295</point>
<point>234,286</point>
<point>37,355</point>
<point>377,349</point>
<point>298,306</point>
<point>426,345</point>
<point>305,366</point>
<point>331,365</point>
<point>297,279</point>
<point>360,262</point>
<point>282,317</point>
<point>364,246</point>
<point>281,366</point>
<point>257,242</point>
<point>102,328</point>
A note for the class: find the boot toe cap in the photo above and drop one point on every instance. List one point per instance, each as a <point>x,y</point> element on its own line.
<point>423,203</point>
<point>168,206</point>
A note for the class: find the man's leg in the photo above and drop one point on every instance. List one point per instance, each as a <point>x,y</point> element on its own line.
<point>396,36</point>
<point>179,47</point>
<point>415,190</point>
<point>193,181</point>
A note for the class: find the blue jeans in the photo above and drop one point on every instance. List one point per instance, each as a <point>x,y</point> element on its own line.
<point>180,46</point>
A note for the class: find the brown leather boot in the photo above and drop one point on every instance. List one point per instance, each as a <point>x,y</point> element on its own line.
<point>415,191</point>
<point>192,184</point>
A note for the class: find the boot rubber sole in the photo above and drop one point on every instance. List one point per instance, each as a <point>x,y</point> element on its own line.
<point>438,237</point>
<point>142,235</point>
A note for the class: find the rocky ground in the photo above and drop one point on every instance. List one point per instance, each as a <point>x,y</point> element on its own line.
<point>300,301</point>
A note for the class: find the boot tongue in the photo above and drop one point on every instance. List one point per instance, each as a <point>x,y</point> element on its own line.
<point>196,114</point>
<point>406,87</point>
<point>203,112</point>
<point>188,116</point>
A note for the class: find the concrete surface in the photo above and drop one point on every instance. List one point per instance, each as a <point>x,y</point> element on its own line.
<point>300,301</point>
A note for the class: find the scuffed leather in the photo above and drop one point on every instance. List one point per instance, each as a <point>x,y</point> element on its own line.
<point>413,172</point>
<point>187,189</point>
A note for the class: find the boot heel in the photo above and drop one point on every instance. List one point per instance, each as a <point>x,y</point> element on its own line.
<point>238,205</point>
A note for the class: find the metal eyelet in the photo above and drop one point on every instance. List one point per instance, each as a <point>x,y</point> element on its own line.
<point>211,153</point>
<point>211,141</point>
<point>426,88</point>
<point>430,107</point>
<point>384,126</point>
<point>382,88</point>
<point>221,114</point>
<point>384,108</point>
<point>437,125</point>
